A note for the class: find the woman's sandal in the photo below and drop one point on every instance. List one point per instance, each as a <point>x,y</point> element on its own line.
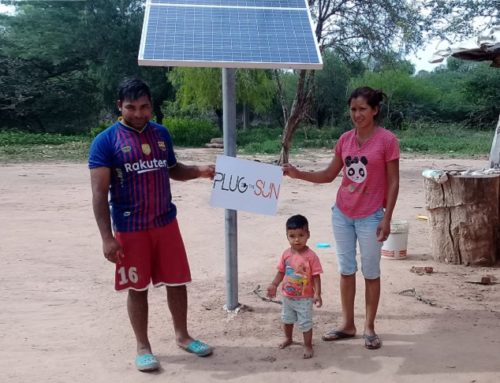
<point>336,335</point>
<point>372,342</point>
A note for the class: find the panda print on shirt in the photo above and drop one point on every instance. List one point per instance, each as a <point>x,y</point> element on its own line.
<point>356,168</point>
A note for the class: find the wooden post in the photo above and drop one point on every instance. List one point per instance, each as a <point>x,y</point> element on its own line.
<point>464,219</point>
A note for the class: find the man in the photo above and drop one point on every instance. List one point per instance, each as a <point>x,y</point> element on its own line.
<point>133,160</point>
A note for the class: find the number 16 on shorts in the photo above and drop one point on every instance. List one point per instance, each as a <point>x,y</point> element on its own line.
<point>126,277</point>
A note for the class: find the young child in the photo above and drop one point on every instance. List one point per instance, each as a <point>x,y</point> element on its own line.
<point>299,268</point>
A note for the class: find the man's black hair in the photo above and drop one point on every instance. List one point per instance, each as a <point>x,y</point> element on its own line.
<point>132,89</point>
<point>297,222</point>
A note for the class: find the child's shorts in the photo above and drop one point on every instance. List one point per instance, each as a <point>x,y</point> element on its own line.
<point>298,311</point>
<point>156,255</point>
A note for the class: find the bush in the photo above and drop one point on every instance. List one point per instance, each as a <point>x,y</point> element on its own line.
<point>428,137</point>
<point>99,128</point>
<point>263,147</point>
<point>257,135</point>
<point>191,132</point>
<point>13,137</point>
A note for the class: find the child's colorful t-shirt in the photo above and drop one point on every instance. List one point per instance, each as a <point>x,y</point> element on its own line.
<point>364,183</point>
<point>299,270</point>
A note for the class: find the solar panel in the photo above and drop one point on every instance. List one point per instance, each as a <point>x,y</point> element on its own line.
<point>229,34</point>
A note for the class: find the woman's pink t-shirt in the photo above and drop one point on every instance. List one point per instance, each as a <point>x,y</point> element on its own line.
<point>299,270</point>
<point>364,183</point>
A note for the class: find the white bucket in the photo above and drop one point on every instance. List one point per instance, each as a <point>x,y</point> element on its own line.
<point>396,244</point>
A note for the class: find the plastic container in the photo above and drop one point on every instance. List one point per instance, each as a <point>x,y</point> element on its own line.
<point>395,247</point>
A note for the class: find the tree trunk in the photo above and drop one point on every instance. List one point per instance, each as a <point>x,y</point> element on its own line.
<point>158,112</point>
<point>495,148</point>
<point>300,106</point>
<point>218,113</point>
<point>245,116</point>
<point>291,126</point>
<point>464,219</point>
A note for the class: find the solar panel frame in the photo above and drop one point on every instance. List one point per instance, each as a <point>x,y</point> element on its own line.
<point>293,48</point>
<point>236,3</point>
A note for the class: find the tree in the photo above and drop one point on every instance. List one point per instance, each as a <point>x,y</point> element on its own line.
<point>455,19</point>
<point>481,90</point>
<point>64,60</point>
<point>370,30</point>
<point>355,29</point>
<point>42,68</point>
<point>409,98</point>
<point>330,89</point>
<point>201,89</point>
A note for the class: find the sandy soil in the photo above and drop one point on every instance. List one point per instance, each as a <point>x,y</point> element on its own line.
<point>61,321</point>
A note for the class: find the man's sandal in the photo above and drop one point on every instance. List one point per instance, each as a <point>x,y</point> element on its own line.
<point>146,363</point>
<point>197,347</point>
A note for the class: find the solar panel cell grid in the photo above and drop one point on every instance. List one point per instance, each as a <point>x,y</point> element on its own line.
<point>239,32</point>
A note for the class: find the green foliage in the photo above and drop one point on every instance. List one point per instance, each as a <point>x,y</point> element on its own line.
<point>407,96</point>
<point>312,137</point>
<point>99,128</point>
<point>255,88</point>
<point>466,93</point>
<point>18,146</point>
<point>257,135</point>
<point>191,132</point>
<point>368,28</point>
<point>197,86</point>
<point>428,138</point>
<point>61,63</point>
<point>45,84</point>
<point>262,147</point>
<point>265,139</point>
<point>200,89</point>
<point>458,18</point>
<point>482,91</point>
<point>330,96</point>
<point>14,137</point>
<point>436,138</point>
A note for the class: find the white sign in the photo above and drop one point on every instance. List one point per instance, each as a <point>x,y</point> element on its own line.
<point>246,185</point>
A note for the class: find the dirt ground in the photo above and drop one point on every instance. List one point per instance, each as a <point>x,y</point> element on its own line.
<point>61,321</point>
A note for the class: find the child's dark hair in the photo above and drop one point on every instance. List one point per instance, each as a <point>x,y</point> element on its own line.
<point>297,222</point>
<point>373,97</point>
<point>133,89</point>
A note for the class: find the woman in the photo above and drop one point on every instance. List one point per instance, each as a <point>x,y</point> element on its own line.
<point>369,157</point>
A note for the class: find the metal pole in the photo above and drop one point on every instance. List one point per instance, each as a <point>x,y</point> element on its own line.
<point>231,227</point>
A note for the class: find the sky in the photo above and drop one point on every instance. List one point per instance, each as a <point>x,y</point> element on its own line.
<point>6,8</point>
<point>421,58</point>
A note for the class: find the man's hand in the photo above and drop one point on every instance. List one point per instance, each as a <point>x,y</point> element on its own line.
<point>112,250</point>
<point>207,171</point>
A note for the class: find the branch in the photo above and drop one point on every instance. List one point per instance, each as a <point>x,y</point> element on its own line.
<point>281,96</point>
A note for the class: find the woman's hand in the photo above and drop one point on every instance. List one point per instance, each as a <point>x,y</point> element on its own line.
<point>383,229</point>
<point>290,170</point>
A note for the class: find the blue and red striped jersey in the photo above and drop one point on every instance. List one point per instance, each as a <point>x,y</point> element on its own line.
<point>140,196</point>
